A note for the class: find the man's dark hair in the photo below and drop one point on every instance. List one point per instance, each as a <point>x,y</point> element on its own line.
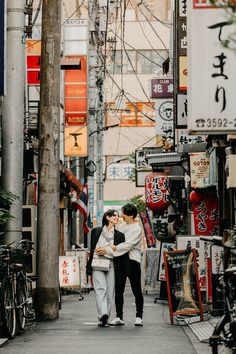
<point>109,212</point>
<point>130,210</point>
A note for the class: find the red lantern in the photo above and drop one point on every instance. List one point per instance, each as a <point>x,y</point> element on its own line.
<point>195,197</point>
<point>157,194</point>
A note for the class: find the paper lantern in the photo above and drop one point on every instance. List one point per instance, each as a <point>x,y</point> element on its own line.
<point>157,194</point>
<point>195,197</point>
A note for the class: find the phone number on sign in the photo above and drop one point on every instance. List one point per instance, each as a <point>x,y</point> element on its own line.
<point>216,123</point>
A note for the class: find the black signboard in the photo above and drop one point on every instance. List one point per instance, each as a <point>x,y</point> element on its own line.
<point>182,283</point>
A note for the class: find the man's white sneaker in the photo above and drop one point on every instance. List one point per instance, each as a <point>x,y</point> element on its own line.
<point>138,322</point>
<point>117,322</point>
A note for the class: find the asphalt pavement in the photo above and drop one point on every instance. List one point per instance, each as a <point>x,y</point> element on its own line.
<point>76,332</point>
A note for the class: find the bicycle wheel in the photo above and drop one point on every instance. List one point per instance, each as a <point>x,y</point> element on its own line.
<point>21,303</point>
<point>8,309</point>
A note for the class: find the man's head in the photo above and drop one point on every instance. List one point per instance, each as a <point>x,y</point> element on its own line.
<point>129,210</point>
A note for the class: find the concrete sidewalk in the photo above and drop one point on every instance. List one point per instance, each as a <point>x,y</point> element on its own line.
<point>76,331</point>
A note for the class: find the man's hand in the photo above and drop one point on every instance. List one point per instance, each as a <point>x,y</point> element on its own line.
<point>101,251</point>
<point>114,248</point>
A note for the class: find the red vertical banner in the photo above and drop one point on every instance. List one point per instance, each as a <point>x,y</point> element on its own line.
<point>206,215</point>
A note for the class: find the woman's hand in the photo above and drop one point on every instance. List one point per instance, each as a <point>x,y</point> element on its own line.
<point>101,251</point>
<point>114,248</point>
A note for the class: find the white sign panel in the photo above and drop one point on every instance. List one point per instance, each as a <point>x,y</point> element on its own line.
<point>212,74</point>
<point>164,117</point>
<point>69,275</point>
<point>75,37</point>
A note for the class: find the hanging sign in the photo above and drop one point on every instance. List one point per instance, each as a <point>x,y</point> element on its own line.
<point>162,88</point>
<point>206,215</point>
<point>211,98</point>
<point>157,193</point>
<point>199,169</point>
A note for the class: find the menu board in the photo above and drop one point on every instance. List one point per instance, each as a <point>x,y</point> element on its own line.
<point>182,283</point>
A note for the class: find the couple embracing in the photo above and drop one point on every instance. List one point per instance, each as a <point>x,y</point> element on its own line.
<point>121,244</point>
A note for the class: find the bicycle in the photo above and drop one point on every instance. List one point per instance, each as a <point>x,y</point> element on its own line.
<point>14,289</point>
<point>225,330</point>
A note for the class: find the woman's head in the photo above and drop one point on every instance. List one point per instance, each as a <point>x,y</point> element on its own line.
<point>110,216</point>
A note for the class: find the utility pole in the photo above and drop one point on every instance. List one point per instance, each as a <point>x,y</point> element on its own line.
<point>92,101</point>
<point>13,115</point>
<point>49,164</point>
<point>97,19</point>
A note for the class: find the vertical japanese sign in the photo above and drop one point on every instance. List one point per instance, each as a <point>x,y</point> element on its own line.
<point>180,81</point>
<point>69,275</point>
<point>211,81</point>
<point>206,216</point>
<point>2,47</point>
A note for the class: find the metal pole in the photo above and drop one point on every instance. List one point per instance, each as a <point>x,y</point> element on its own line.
<point>13,115</point>
<point>49,164</point>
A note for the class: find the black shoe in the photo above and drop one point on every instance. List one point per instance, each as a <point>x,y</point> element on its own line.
<point>103,321</point>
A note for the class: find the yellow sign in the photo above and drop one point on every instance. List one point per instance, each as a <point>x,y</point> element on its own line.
<point>76,142</point>
<point>183,73</point>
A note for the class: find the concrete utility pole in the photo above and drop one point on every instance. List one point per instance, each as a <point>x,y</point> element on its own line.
<point>92,94</point>
<point>49,164</point>
<point>13,114</point>
<point>98,18</point>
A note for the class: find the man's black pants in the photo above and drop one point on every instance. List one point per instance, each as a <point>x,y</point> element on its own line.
<point>134,275</point>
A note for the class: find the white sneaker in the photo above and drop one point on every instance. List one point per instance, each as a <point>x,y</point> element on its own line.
<point>117,322</point>
<point>138,322</point>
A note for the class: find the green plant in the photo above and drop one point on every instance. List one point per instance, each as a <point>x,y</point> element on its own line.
<point>6,200</point>
<point>138,201</point>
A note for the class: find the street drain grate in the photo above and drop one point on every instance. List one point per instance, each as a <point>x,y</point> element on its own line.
<point>202,330</point>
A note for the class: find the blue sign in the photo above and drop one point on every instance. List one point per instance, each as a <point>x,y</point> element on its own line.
<point>2,47</point>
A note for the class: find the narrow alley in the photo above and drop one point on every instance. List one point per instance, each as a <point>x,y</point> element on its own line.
<point>76,331</point>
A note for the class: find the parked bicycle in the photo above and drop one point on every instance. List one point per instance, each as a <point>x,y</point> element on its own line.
<point>14,287</point>
<point>223,339</point>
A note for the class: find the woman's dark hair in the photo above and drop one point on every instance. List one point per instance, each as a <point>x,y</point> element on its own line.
<point>109,212</point>
<point>129,210</point>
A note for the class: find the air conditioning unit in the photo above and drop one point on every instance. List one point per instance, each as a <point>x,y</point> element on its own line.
<point>29,232</point>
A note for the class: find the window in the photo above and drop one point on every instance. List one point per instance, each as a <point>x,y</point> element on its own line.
<point>149,10</point>
<point>150,61</point>
<point>123,61</point>
<point>143,61</point>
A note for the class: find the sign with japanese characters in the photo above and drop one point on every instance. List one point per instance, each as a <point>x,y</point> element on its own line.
<point>199,169</point>
<point>69,275</point>
<point>183,137</point>
<point>211,81</point>
<point>182,111</point>
<point>182,8</point>
<point>157,195</point>
<point>119,171</point>
<point>193,242</point>
<point>162,88</point>
<point>164,117</point>
<point>206,216</point>
<point>182,36</point>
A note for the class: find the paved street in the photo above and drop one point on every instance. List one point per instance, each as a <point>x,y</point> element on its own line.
<point>76,331</point>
